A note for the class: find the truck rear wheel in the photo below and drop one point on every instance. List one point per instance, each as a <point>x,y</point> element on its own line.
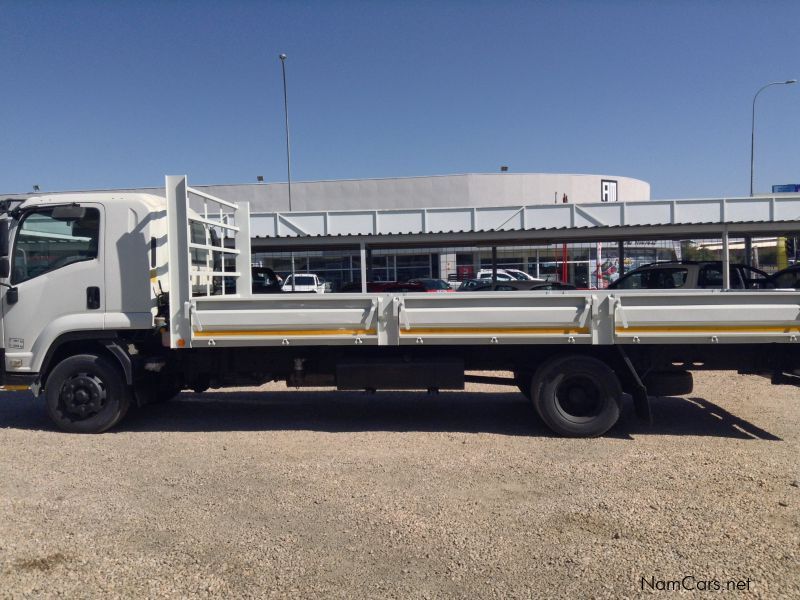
<point>86,393</point>
<point>577,396</point>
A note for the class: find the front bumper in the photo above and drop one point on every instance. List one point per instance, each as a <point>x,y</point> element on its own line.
<point>14,382</point>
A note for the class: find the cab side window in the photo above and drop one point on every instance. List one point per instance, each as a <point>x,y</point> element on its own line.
<point>634,281</point>
<point>710,276</point>
<point>44,244</point>
<point>653,279</point>
<point>667,279</point>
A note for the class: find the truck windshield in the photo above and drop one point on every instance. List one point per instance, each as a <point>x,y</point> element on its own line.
<point>44,244</point>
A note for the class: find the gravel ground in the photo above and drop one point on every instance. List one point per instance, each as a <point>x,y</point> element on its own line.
<point>461,495</point>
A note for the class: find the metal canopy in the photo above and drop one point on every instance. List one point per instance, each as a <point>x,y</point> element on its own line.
<point>657,219</point>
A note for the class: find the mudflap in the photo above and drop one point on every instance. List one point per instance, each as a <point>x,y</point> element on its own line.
<point>638,390</point>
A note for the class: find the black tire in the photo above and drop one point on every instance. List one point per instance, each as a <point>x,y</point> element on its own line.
<point>86,393</point>
<point>577,396</point>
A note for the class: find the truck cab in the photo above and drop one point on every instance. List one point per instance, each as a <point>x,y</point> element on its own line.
<point>76,268</point>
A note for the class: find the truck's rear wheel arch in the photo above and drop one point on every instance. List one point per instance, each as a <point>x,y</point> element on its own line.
<point>102,343</point>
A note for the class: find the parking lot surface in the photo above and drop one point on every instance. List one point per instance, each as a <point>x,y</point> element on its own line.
<point>319,494</point>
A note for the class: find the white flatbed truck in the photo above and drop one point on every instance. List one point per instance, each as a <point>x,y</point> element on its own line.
<point>112,299</point>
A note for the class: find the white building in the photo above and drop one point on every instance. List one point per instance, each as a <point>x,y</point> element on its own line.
<point>467,190</point>
<point>471,189</point>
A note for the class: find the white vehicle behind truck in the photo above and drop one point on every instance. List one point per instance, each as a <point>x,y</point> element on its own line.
<point>507,275</point>
<point>118,299</point>
<point>303,282</point>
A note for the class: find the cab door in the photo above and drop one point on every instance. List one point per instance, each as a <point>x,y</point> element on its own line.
<point>56,268</point>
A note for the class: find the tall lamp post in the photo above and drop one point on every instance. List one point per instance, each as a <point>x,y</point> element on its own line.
<point>753,126</point>
<point>748,244</point>
<point>282,56</point>
<point>286,118</point>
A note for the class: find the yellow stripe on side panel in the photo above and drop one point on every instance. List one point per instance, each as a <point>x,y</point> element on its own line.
<point>280,332</point>
<point>710,329</point>
<point>14,388</point>
<point>495,330</point>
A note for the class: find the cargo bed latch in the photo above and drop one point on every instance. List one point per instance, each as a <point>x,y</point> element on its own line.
<point>371,313</point>
<point>619,311</point>
<point>402,314</point>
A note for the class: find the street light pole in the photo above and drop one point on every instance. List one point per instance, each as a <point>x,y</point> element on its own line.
<point>282,56</point>
<point>286,118</point>
<point>748,241</point>
<point>753,126</point>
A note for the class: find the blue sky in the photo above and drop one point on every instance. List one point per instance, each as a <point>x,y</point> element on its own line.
<point>118,94</point>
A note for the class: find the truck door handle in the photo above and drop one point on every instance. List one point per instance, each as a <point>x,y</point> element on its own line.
<point>93,298</point>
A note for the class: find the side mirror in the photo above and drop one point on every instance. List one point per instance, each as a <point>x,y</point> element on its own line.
<point>12,296</point>
<point>4,239</point>
<point>5,267</point>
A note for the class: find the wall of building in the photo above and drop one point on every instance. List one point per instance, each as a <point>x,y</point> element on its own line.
<point>474,189</point>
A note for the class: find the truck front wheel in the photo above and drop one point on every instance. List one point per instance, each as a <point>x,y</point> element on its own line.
<point>577,396</point>
<point>86,393</point>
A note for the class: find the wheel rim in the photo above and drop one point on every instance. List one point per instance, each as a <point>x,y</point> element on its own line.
<point>82,396</point>
<point>579,398</point>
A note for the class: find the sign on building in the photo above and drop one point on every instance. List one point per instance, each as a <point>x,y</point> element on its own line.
<point>791,188</point>
<point>608,190</point>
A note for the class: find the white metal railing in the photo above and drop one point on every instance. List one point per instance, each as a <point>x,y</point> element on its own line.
<point>214,253</point>
<point>204,229</point>
<point>711,213</point>
<point>208,196</point>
